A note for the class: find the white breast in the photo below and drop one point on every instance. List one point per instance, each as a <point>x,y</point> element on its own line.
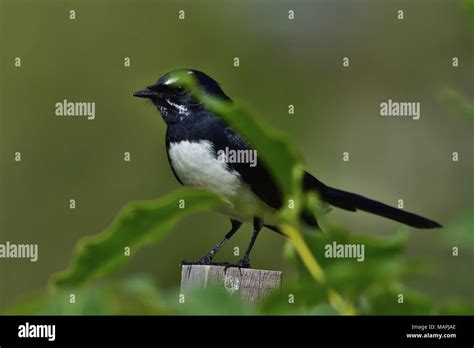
<point>196,164</point>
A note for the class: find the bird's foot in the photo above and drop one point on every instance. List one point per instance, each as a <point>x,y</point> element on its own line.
<point>243,263</point>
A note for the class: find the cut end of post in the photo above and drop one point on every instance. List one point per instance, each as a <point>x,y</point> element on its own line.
<point>251,284</point>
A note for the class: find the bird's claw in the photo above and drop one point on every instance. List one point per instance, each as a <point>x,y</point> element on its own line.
<point>207,261</point>
<point>204,261</point>
<point>243,263</point>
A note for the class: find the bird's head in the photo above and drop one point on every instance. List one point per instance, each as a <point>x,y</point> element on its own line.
<point>171,94</point>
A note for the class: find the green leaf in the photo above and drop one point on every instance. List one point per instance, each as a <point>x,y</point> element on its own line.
<point>137,295</point>
<point>211,300</point>
<point>273,147</point>
<point>295,297</point>
<point>457,306</point>
<point>387,301</point>
<point>137,224</point>
<point>142,223</point>
<point>383,261</point>
<point>279,156</point>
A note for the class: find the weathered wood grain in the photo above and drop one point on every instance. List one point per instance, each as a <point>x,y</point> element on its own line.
<point>251,284</point>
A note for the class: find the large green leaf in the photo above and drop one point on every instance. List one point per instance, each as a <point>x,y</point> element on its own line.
<point>279,156</point>
<point>137,224</point>
<point>145,222</point>
<point>273,147</point>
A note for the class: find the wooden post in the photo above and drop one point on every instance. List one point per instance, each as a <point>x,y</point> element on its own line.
<point>251,284</point>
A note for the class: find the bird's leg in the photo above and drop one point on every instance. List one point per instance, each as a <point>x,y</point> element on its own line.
<point>207,260</point>
<point>245,262</point>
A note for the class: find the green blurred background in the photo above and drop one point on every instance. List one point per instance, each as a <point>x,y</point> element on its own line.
<point>282,62</point>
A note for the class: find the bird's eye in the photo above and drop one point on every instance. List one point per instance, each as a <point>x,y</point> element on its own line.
<point>180,89</point>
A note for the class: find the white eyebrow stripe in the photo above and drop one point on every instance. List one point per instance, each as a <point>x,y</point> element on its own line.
<point>181,108</point>
<point>170,81</point>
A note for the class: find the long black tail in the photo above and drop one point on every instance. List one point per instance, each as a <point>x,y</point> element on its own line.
<point>354,202</point>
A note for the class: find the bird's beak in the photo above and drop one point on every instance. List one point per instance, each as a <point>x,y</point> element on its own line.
<point>146,93</point>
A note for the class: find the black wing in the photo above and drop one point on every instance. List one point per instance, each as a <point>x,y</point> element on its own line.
<point>259,178</point>
<point>207,126</point>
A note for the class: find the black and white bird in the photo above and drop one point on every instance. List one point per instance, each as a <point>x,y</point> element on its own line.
<point>194,137</point>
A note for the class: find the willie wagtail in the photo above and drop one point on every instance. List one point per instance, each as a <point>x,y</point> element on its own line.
<point>194,138</point>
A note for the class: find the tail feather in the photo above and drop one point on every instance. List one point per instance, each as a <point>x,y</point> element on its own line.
<point>353,202</point>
